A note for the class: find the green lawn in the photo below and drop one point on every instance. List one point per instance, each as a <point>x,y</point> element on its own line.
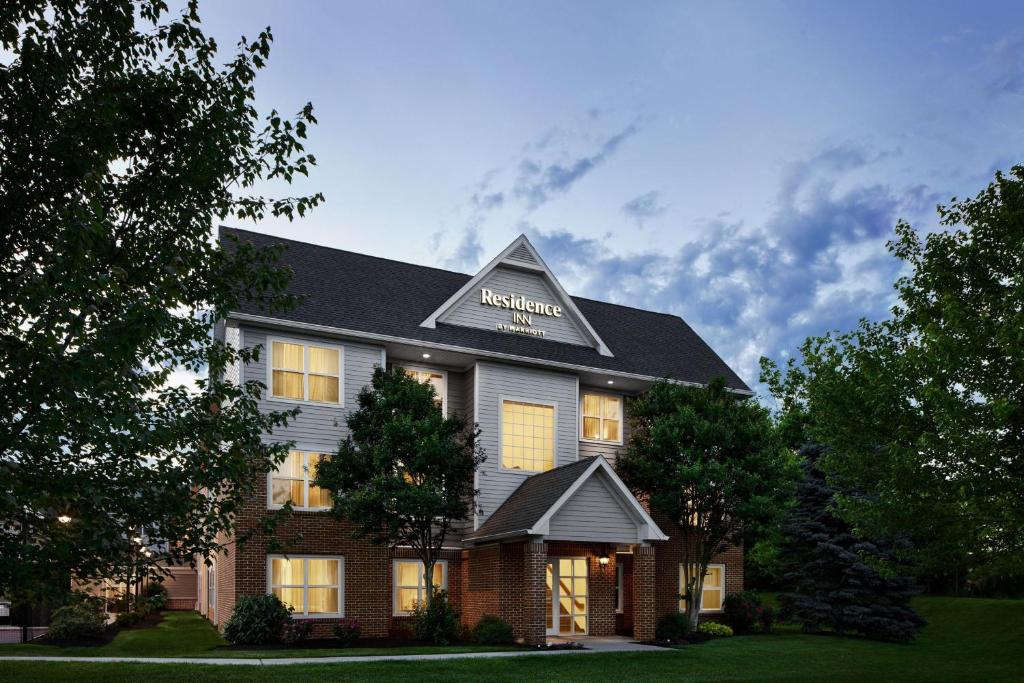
<point>967,640</point>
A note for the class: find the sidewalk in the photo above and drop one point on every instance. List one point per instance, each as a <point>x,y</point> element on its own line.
<point>595,645</point>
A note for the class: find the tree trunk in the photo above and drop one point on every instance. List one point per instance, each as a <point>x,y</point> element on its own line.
<point>693,606</point>
<point>428,580</point>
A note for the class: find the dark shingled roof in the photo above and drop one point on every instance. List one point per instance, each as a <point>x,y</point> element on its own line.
<point>532,499</point>
<point>377,295</point>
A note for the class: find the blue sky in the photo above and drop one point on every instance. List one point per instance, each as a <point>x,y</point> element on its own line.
<point>739,164</point>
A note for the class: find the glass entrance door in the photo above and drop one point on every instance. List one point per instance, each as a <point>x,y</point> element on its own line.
<point>567,597</point>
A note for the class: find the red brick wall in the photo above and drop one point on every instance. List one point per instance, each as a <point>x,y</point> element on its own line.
<point>182,591</point>
<point>669,555</point>
<point>480,583</point>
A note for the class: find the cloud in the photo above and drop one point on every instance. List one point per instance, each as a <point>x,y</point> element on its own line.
<point>645,206</point>
<point>817,262</point>
<point>468,251</point>
<point>1006,58</point>
<point>538,181</point>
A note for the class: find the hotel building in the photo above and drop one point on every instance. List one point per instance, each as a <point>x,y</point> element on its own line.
<point>556,545</point>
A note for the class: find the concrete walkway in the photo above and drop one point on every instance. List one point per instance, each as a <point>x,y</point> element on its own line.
<point>591,644</point>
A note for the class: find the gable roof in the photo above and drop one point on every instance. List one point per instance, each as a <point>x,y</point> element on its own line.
<point>522,255</point>
<point>530,508</point>
<point>345,290</point>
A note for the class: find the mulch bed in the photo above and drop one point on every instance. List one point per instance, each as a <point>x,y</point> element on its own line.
<point>334,643</point>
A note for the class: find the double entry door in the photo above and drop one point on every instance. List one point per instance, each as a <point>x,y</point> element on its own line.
<point>568,600</point>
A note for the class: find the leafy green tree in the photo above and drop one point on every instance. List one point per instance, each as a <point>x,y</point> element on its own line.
<point>122,141</point>
<point>924,412</point>
<point>404,475</point>
<point>712,463</point>
<point>836,580</point>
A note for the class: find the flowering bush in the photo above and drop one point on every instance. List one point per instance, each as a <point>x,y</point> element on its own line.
<point>296,631</point>
<point>348,631</point>
<point>743,612</point>
<point>714,629</point>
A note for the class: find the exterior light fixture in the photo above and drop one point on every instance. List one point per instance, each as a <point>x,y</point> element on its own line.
<point>603,560</point>
<point>64,519</point>
<point>426,355</point>
<point>611,381</point>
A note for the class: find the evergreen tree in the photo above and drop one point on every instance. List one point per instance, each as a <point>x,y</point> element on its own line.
<point>839,581</point>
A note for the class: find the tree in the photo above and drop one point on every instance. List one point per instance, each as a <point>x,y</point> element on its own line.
<point>924,411</point>
<point>121,142</point>
<point>837,580</point>
<point>404,475</point>
<point>711,462</point>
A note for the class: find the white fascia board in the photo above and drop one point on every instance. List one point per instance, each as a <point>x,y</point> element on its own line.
<point>484,353</point>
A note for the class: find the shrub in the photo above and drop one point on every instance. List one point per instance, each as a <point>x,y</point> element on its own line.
<point>767,618</point>
<point>294,632</point>
<point>348,631</point>
<point>714,629</point>
<point>493,630</point>
<point>742,611</point>
<point>672,626</point>
<point>125,619</point>
<point>155,588</point>
<point>438,622</point>
<point>257,619</point>
<point>80,621</point>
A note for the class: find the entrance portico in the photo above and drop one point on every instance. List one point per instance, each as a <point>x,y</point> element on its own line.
<point>569,523</point>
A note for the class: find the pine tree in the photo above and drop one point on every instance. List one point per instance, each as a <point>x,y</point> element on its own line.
<point>840,582</point>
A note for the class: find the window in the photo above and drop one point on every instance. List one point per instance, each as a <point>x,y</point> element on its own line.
<point>618,588</point>
<point>291,482</point>
<point>211,589</point>
<point>602,418</point>
<point>527,436</point>
<point>714,589</point>
<point>312,586</point>
<point>305,372</point>
<point>435,379</point>
<point>407,577</point>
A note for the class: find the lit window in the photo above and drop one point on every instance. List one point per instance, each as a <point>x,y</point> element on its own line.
<point>409,585</point>
<point>527,436</point>
<point>714,589</point>
<point>311,586</point>
<point>291,482</point>
<point>602,418</point>
<point>305,372</point>
<point>619,572</point>
<point>434,379</point>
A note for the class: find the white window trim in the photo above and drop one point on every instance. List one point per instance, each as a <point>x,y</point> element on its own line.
<point>305,583</point>
<point>211,589</point>
<point>703,610</point>
<point>395,612</point>
<point>501,433</point>
<point>434,371</point>
<point>307,482</point>
<point>622,422</point>
<point>305,371</point>
<point>619,573</point>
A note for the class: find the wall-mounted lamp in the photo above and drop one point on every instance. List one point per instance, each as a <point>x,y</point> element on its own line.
<point>604,559</point>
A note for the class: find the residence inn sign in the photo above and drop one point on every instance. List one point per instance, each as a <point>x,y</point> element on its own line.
<point>522,311</point>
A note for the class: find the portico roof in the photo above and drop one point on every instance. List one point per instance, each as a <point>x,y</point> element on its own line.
<point>583,501</point>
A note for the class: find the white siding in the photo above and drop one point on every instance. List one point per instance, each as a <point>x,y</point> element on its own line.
<point>493,382</point>
<point>470,312</point>
<point>318,426</point>
<point>594,514</point>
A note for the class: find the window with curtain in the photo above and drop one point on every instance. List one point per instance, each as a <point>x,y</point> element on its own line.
<point>291,482</point>
<point>527,436</point>
<point>409,587</point>
<point>434,379</point>
<point>714,589</point>
<point>619,573</point>
<point>602,418</point>
<point>305,372</point>
<point>311,586</point>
